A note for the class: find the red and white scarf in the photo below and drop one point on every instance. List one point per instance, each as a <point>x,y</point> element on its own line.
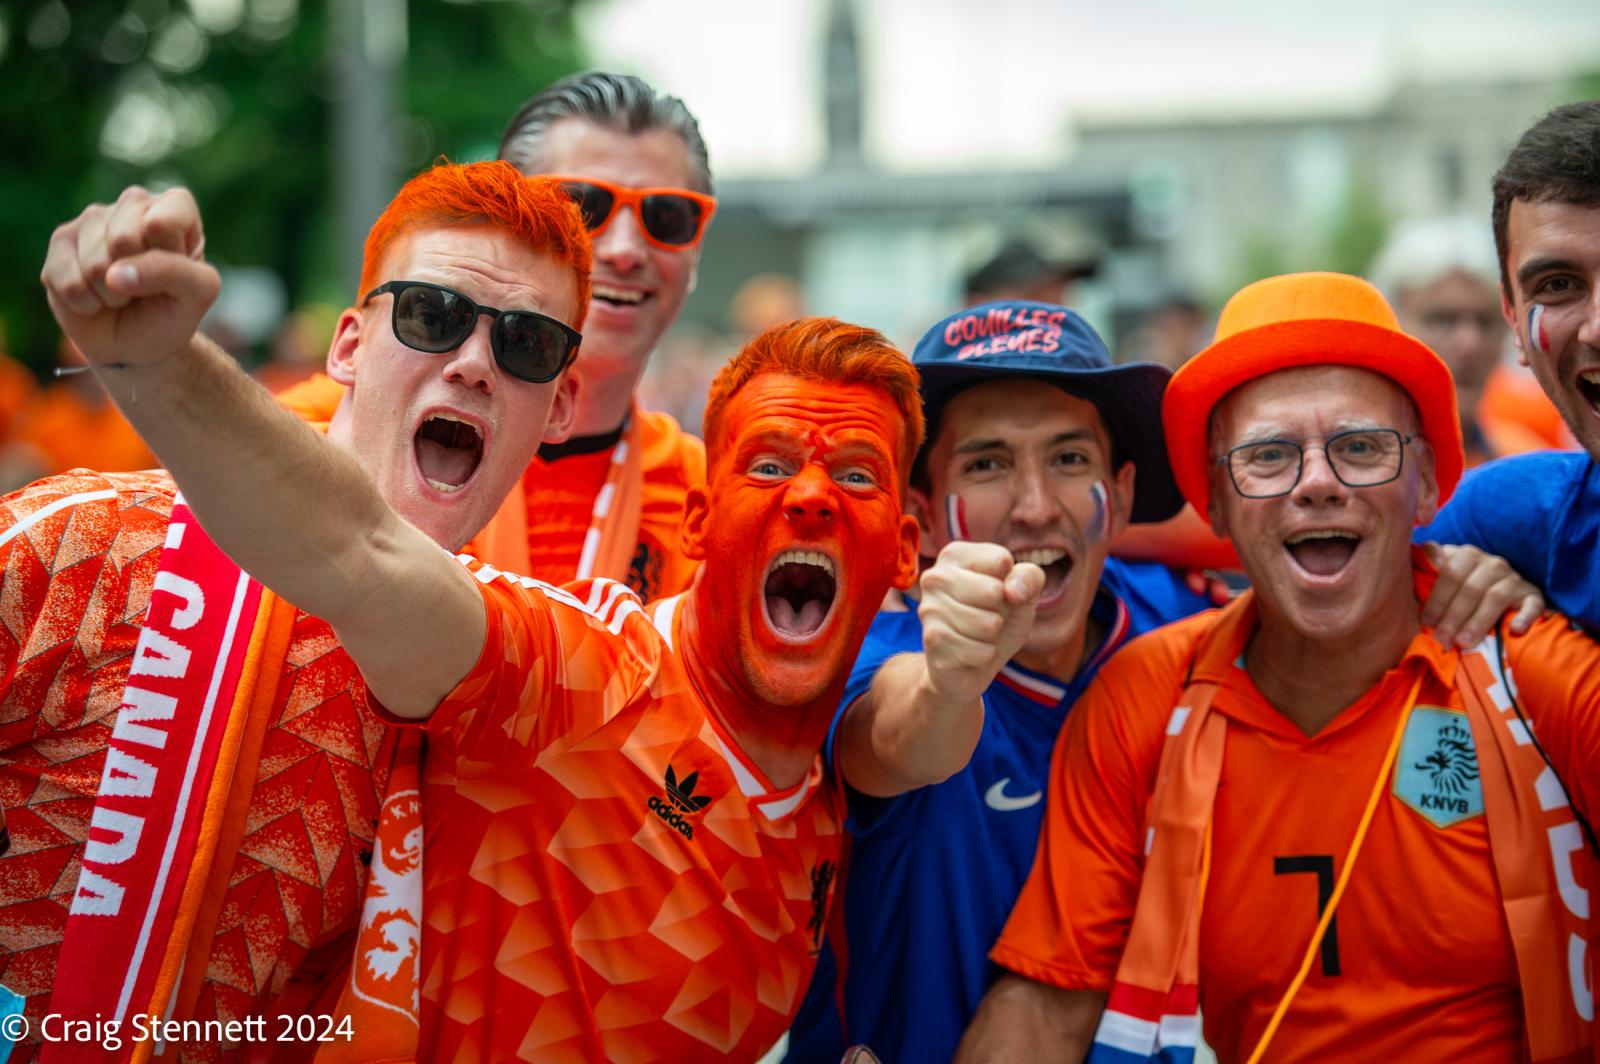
<point>165,788</point>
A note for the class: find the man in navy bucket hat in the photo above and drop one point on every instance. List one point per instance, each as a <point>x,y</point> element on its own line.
<point>1039,450</point>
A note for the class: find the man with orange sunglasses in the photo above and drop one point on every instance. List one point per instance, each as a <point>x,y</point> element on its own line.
<point>608,501</point>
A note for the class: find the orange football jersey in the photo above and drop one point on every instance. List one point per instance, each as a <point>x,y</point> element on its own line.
<point>1418,962</point>
<point>607,876</point>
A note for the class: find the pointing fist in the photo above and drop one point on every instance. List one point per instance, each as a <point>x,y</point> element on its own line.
<point>126,281</point>
<point>977,607</point>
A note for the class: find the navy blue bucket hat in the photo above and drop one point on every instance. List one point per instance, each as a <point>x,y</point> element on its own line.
<point>1019,338</point>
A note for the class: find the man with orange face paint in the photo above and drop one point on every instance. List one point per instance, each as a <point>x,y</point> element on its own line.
<point>630,841</point>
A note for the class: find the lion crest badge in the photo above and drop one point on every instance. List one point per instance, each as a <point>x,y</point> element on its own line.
<point>1436,772</point>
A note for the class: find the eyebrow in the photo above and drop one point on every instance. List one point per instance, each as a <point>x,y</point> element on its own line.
<point>1530,270</point>
<point>1276,432</point>
<point>1070,436</point>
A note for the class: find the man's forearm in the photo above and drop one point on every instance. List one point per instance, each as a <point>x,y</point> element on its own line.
<point>1023,1022</point>
<point>902,734</point>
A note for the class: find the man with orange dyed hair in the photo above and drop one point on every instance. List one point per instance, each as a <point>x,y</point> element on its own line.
<point>630,839</point>
<point>205,856</point>
<point>609,500</point>
<point>1338,837</point>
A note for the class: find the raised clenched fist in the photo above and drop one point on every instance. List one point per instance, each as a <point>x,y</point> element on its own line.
<point>977,606</point>
<point>126,280</point>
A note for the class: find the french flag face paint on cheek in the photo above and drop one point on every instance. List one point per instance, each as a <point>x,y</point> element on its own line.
<point>1538,335</point>
<point>955,517</point>
<point>1099,521</point>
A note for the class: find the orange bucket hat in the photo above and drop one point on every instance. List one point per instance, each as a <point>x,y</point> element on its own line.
<point>1305,319</point>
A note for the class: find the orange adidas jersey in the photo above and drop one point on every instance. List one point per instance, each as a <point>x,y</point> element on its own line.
<point>606,875</point>
<point>561,496</point>
<point>1418,964</point>
<point>78,554</point>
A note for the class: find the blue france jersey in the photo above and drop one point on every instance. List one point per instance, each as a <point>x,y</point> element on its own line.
<point>1541,513</point>
<point>930,876</point>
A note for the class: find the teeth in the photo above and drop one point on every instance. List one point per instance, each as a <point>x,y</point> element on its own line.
<point>1591,376</point>
<point>1040,557</point>
<point>1330,533</point>
<point>442,486</point>
<point>804,557</point>
<point>616,295</point>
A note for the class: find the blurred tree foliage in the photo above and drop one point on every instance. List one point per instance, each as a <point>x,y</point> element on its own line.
<point>233,98</point>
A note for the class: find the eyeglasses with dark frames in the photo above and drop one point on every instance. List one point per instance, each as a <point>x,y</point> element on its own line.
<point>1359,458</point>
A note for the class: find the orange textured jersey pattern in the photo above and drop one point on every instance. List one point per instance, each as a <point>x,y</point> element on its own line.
<point>1419,963</point>
<point>607,876</point>
<point>78,554</point>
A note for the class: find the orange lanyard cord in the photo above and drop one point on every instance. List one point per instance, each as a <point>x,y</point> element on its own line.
<point>1378,787</point>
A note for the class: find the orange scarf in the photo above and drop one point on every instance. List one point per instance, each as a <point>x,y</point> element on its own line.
<point>1151,1011</point>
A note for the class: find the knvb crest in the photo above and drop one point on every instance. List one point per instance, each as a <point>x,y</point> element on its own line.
<point>1436,772</point>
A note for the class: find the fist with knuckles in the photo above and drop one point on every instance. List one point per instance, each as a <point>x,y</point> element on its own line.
<point>127,281</point>
<point>977,606</point>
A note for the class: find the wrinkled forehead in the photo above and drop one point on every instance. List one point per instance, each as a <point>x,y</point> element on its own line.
<point>776,407</point>
<point>1310,401</point>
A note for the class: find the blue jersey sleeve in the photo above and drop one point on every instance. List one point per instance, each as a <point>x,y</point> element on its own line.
<point>1154,593</point>
<point>1541,513</point>
<point>892,633</point>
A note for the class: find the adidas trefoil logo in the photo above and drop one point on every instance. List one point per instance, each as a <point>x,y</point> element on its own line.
<point>681,793</point>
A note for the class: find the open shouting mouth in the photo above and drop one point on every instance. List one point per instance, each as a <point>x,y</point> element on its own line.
<point>1589,388</point>
<point>448,451</point>
<point>799,594</point>
<point>1323,552</point>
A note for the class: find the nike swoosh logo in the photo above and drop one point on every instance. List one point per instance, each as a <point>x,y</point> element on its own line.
<point>997,798</point>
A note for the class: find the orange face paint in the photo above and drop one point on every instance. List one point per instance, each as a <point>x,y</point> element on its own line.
<point>802,532</point>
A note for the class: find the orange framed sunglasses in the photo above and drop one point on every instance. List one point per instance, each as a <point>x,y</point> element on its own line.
<point>670,218</point>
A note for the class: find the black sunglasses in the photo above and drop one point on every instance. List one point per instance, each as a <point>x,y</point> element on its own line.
<point>430,317</point>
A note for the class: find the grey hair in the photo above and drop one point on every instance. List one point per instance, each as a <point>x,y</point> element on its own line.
<point>619,102</point>
<point>1420,251</point>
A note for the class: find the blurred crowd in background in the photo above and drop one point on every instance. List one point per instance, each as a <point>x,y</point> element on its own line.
<point>1142,224</point>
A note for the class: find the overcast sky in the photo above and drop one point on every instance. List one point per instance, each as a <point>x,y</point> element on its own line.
<point>950,82</point>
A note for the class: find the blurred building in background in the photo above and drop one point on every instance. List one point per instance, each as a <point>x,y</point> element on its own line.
<point>873,156</point>
<point>1180,208</point>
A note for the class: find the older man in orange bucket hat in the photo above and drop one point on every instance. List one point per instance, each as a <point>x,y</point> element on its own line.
<point>1313,753</point>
